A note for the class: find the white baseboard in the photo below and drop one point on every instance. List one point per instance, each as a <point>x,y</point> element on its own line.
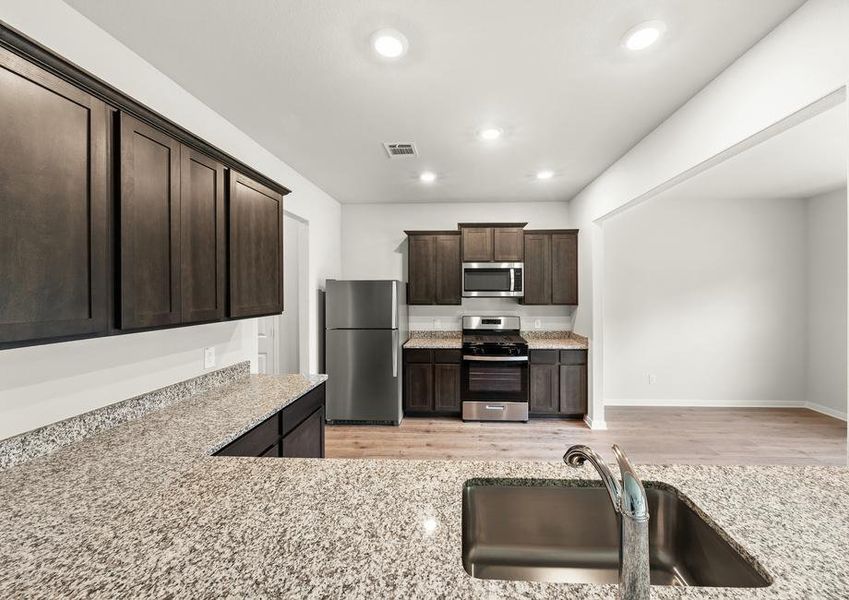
<point>595,425</point>
<point>707,403</point>
<point>703,402</point>
<point>826,410</point>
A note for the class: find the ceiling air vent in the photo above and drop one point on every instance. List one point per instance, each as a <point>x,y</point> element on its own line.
<point>401,150</point>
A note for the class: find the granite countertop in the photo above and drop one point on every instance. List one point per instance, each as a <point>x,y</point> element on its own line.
<point>537,340</point>
<point>143,510</point>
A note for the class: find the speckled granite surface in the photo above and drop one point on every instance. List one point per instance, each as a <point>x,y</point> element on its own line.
<point>537,340</point>
<point>45,440</point>
<point>142,510</point>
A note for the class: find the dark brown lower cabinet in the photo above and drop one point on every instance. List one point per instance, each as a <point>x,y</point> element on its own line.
<point>432,382</point>
<point>297,431</point>
<point>558,383</point>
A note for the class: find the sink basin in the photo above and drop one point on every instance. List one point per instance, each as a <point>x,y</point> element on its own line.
<point>537,530</point>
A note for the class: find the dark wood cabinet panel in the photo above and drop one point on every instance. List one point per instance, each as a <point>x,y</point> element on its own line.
<point>537,274</point>
<point>203,237</point>
<point>564,265</point>
<point>448,276</point>
<point>54,190</point>
<point>421,271</point>
<point>446,386</point>
<point>296,431</point>
<point>418,387</point>
<point>306,440</point>
<point>477,244</point>
<point>544,390</point>
<point>256,248</point>
<point>573,389</point>
<point>508,244</point>
<point>150,226</point>
<point>256,441</point>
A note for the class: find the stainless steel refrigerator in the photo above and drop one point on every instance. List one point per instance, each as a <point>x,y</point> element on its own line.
<point>366,325</point>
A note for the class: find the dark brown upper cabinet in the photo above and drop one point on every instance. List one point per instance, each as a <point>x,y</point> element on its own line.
<point>492,242</point>
<point>477,244</point>
<point>54,213</point>
<point>256,248</point>
<point>150,227</point>
<point>564,268</point>
<point>203,231</point>
<point>433,268</point>
<point>537,275</point>
<point>551,267</point>
<point>508,244</point>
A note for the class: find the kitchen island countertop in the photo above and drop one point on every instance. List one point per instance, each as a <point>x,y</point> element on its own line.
<point>144,510</point>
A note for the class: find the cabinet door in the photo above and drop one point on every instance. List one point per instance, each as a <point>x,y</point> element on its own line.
<point>564,268</point>
<point>573,389</point>
<point>508,244</point>
<point>418,387</point>
<point>202,241</point>
<point>306,440</point>
<point>150,226</point>
<point>477,244</point>
<point>543,389</point>
<point>537,268</point>
<point>54,187</point>
<point>421,271</point>
<point>448,270</point>
<point>256,248</point>
<point>446,386</point>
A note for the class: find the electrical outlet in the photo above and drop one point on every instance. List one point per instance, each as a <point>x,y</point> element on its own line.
<point>538,324</point>
<point>209,357</point>
<point>652,378</point>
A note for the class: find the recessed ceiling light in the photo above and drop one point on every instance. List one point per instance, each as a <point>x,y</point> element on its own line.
<point>489,134</point>
<point>546,174</point>
<point>389,43</point>
<point>643,35</point>
<point>427,177</point>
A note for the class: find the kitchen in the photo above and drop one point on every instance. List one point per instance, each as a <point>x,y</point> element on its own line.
<point>142,454</point>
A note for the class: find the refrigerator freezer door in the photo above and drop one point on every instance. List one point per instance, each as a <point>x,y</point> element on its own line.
<point>362,304</point>
<point>363,369</point>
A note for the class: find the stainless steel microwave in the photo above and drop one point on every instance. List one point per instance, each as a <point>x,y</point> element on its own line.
<point>493,280</point>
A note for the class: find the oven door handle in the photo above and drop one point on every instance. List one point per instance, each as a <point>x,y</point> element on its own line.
<point>495,358</point>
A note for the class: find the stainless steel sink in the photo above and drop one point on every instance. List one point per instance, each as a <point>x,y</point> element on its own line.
<point>536,530</point>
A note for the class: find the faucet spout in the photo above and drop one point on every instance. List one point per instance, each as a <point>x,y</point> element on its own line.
<point>630,503</point>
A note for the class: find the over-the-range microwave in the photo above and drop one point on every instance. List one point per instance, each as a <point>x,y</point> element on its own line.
<point>493,280</point>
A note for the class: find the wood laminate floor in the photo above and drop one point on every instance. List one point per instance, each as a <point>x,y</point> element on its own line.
<point>648,435</point>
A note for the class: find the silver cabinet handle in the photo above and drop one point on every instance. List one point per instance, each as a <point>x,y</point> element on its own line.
<point>496,358</point>
<point>494,407</point>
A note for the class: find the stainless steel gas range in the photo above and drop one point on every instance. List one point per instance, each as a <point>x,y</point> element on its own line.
<point>494,375</point>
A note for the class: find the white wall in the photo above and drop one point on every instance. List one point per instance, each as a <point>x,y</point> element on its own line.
<point>800,61</point>
<point>374,247</point>
<point>39,385</point>
<point>827,297</point>
<point>709,296</point>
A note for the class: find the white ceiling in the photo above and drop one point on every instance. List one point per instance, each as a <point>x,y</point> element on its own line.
<point>804,161</point>
<point>300,78</point>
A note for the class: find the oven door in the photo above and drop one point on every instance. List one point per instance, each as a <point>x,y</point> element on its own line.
<point>488,280</point>
<point>494,379</point>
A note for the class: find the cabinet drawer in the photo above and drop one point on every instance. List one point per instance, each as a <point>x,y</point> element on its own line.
<point>256,441</point>
<point>448,356</point>
<point>294,414</point>
<point>573,357</point>
<point>418,355</point>
<point>546,357</point>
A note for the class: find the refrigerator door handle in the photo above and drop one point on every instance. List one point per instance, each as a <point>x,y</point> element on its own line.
<point>394,353</point>
<point>394,305</point>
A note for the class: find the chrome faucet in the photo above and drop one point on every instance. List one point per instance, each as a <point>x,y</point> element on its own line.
<point>630,503</point>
